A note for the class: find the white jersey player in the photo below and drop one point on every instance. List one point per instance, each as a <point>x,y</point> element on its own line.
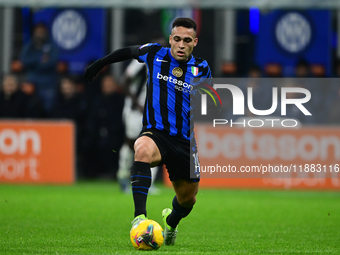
<point>135,83</point>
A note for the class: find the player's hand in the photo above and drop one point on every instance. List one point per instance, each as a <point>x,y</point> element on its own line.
<point>92,70</point>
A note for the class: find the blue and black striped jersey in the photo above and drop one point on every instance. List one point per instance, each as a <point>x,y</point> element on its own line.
<point>170,88</point>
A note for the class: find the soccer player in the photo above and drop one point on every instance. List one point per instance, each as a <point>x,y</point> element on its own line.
<point>166,133</point>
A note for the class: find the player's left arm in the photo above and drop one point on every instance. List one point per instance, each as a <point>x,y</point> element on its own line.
<point>116,56</point>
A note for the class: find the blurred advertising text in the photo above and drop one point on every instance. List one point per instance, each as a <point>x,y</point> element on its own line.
<point>37,152</point>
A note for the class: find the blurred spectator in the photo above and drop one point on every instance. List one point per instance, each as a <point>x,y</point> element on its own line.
<point>255,72</point>
<point>34,106</point>
<point>71,105</point>
<point>159,38</point>
<point>80,86</point>
<point>62,68</point>
<point>302,72</point>
<point>337,69</point>
<point>261,88</point>
<point>323,93</point>
<point>229,69</point>
<point>104,131</point>
<point>39,58</point>
<point>12,99</point>
<point>302,69</point>
<point>16,66</point>
<point>273,70</point>
<point>334,114</point>
<point>318,70</point>
<point>93,89</point>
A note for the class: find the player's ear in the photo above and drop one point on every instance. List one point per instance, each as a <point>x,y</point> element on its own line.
<point>170,38</point>
<point>195,41</point>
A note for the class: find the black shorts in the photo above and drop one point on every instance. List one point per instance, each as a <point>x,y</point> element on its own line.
<point>179,159</point>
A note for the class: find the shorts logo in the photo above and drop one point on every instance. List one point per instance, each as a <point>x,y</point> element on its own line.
<point>148,132</point>
<point>178,72</point>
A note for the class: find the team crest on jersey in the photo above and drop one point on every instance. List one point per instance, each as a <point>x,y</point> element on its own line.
<point>178,72</point>
<point>194,70</point>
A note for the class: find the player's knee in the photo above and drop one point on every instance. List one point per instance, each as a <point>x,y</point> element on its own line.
<point>142,152</point>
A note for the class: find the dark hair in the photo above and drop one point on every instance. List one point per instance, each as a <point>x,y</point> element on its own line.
<point>302,63</point>
<point>184,22</point>
<point>40,25</point>
<point>255,68</point>
<point>69,78</point>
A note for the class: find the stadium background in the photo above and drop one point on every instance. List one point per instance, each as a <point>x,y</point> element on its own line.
<point>237,39</point>
<point>41,152</point>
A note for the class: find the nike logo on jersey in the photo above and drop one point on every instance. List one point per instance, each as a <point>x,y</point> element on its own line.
<point>160,60</point>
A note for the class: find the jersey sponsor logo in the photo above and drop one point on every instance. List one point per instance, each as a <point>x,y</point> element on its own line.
<point>179,85</point>
<point>160,60</point>
<point>177,71</point>
<point>180,88</point>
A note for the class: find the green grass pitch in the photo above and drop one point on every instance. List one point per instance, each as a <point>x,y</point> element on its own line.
<point>94,218</point>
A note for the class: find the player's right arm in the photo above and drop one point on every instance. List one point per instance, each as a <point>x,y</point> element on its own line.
<point>116,56</point>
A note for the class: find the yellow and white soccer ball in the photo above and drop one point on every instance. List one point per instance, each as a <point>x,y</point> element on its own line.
<point>147,235</point>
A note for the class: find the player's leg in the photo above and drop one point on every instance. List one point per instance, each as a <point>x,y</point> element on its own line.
<point>186,192</point>
<point>146,154</point>
<point>182,205</point>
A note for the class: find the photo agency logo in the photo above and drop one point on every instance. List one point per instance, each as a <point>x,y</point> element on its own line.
<point>274,116</point>
<point>212,94</point>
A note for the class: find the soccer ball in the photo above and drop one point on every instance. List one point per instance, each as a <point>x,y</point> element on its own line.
<point>147,235</point>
